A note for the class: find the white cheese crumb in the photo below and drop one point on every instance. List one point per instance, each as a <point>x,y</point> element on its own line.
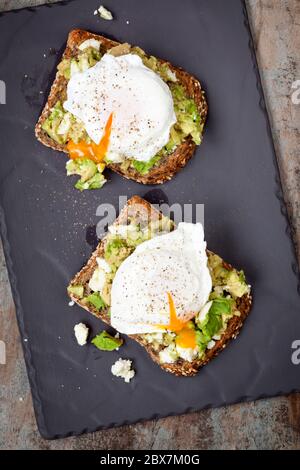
<point>71,303</point>
<point>187,354</point>
<point>203,312</point>
<point>117,335</point>
<point>81,333</point>
<point>96,12</point>
<point>127,22</point>
<point>90,43</point>
<point>168,355</point>
<point>122,368</point>
<point>98,278</point>
<point>217,337</point>
<point>105,13</point>
<point>124,231</point>
<point>211,344</point>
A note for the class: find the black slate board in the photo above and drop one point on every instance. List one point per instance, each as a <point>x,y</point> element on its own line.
<point>45,222</point>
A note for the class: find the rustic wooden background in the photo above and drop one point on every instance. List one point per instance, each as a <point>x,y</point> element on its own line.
<point>265,424</point>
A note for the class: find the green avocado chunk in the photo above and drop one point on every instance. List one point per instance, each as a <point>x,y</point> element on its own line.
<point>236,284</point>
<point>91,177</point>
<point>96,300</point>
<point>76,290</point>
<point>106,342</point>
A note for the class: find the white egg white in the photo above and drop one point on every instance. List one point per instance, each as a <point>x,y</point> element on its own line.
<point>175,262</point>
<point>141,103</point>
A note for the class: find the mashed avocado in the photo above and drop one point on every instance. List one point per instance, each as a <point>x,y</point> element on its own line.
<point>209,324</point>
<point>62,126</point>
<point>225,279</point>
<point>76,290</point>
<point>90,173</point>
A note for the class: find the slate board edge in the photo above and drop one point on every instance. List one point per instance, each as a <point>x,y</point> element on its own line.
<point>279,191</point>
<point>13,280</point>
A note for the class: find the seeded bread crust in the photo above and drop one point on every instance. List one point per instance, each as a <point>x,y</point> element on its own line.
<point>139,209</point>
<point>169,165</point>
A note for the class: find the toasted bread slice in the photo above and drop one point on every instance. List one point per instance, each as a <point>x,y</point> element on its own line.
<point>138,209</point>
<point>169,165</point>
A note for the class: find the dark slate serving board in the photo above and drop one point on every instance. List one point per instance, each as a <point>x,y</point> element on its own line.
<point>47,226</point>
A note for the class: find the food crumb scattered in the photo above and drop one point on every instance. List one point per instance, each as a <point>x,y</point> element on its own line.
<point>81,332</point>
<point>122,368</point>
<point>71,303</point>
<point>104,13</point>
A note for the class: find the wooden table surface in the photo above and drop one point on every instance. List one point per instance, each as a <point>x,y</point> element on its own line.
<point>265,424</point>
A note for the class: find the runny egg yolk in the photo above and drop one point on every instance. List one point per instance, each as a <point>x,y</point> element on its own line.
<point>95,152</point>
<point>186,336</point>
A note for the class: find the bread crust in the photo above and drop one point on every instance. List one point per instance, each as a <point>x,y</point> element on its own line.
<point>169,165</point>
<point>138,207</point>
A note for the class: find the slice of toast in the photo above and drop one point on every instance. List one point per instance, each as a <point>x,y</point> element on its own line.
<point>169,165</point>
<point>138,209</point>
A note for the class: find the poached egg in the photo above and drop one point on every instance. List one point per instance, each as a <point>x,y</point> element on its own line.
<point>126,108</point>
<point>163,285</point>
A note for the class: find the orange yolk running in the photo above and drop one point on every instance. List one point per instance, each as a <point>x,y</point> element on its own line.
<point>95,152</point>
<point>186,337</point>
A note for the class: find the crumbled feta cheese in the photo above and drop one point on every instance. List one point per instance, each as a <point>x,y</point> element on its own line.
<point>154,338</point>
<point>65,124</point>
<point>188,354</point>
<point>217,337</point>
<point>103,265</point>
<point>81,333</point>
<point>98,278</point>
<point>122,368</point>
<point>211,344</point>
<point>90,43</point>
<point>169,354</point>
<point>171,75</point>
<point>203,312</point>
<point>122,230</point>
<point>71,303</point>
<point>105,13</point>
<point>117,335</point>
